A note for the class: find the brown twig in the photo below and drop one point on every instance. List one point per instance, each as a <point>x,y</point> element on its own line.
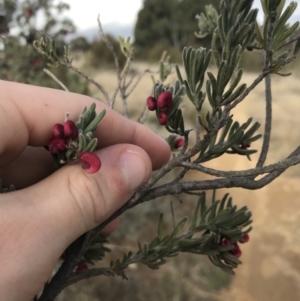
<point>244,173</point>
<point>268,59</point>
<point>88,78</point>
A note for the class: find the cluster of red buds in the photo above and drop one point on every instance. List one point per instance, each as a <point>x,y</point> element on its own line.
<point>235,251</point>
<point>73,142</point>
<point>65,138</point>
<point>161,105</point>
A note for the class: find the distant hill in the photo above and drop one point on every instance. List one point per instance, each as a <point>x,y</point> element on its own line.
<point>113,29</point>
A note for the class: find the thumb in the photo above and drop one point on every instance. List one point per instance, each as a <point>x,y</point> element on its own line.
<point>45,218</point>
<point>77,201</point>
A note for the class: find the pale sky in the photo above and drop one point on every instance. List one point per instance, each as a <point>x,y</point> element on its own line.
<point>84,12</point>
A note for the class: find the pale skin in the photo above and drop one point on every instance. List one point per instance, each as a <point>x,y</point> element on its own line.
<point>50,209</point>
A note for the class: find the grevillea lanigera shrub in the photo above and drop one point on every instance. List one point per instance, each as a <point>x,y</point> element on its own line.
<point>217,227</point>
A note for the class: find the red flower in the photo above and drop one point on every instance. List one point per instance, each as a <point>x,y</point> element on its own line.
<point>57,144</point>
<point>58,130</point>
<point>245,238</point>
<point>245,145</point>
<point>165,100</point>
<point>70,129</point>
<point>236,251</point>
<point>90,162</point>
<point>225,242</point>
<point>179,143</point>
<point>151,103</point>
<point>162,118</point>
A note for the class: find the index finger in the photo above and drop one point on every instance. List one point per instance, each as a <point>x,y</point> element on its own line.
<point>29,113</point>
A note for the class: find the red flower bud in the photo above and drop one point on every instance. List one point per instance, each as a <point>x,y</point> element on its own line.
<point>245,145</point>
<point>162,118</point>
<point>225,242</point>
<point>70,129</point>
<point>236,251</point>
<point>58,130</point>
<point>179,143</point>
<point>81,266</point>
<point>245,238</point>
<point>151,103</point>
<point>90,162</point>
<point>165,100</point>
<point>57,144</point>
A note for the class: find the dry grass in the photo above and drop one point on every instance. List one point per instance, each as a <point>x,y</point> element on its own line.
<point>271,269</point>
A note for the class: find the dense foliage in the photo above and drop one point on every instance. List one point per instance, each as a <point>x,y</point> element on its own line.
<point>170,23</point>
<point>20,25</point>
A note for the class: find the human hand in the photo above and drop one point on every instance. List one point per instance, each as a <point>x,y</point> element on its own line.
<point>50,209</point>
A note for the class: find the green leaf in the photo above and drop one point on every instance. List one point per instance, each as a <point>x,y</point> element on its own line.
<point>231,258</point>
<point>284,74</point>
<point>88,113</point>
<point>211,210</point>
<point>160,225</point>
<point>228,44</point>
<point>254,138</point>
<point>81,142</point>
<point>251,131</point>
<point>297,47</point>
<point>91,146</point>
<point>238,92</point>
<point>259,36</point>
<point>223,203</point>
<point>209,94</point>
<point>225,24</point>
<point>265,7</point>
<point>233,62</point>
<point>233,84</point>
<point>195,215</point>
<point>235,137</point>
<point>289,32</point>
<point>221,31</point>
<point>285,16</point>
<point>225,130</point>
<point>93,124</point>
<point>179,227</point>
<point>156,241</point>
<point>215,52</point>
<point>221,78</point>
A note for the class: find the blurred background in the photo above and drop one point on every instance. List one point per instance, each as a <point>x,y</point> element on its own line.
<point>271,269</point>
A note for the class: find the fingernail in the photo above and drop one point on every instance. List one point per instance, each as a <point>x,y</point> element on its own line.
<point>135,168</point>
